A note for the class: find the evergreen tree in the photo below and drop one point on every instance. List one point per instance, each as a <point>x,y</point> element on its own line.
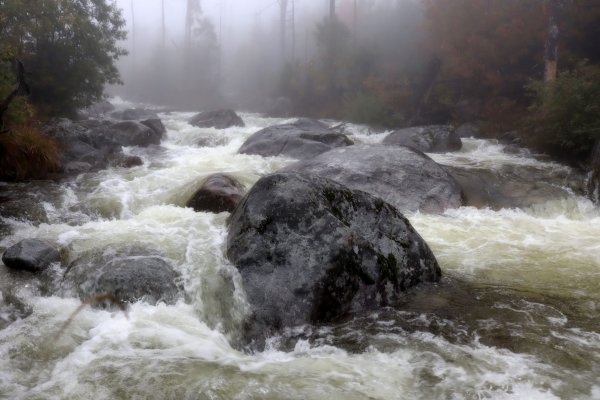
<point>69,48</point>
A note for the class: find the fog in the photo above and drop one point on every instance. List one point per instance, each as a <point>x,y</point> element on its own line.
<point>235,56</point>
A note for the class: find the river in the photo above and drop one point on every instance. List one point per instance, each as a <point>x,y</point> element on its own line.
<point>515,316</point>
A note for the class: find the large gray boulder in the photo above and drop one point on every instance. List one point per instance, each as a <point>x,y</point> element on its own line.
<point>91,144</point>
<point>428,139</point>
<point>302,139</point>
<point>310,250</point>
<point>126,133</point>
<point>129,273</point>
<point>31,255</point>
<point>217,194</point>
<point>407,179</point>
<point>220,119</point>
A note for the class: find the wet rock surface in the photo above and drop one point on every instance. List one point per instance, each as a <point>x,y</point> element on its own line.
<point>32,255</point>
<point>130,273</point>
<point>156,125</point>
<point>302,139</point>
<point>91,145</point>
<point>407,179</point>
<point>513,186</point>
<point>220,119</point>
<point>133,114</point>
<point>428,139</point>
<point>217,194</point>
<point>310,250</point>
<point>593,187</point>
<point>126,133</point>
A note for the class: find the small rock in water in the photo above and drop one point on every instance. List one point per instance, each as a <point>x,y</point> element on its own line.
<point>126,161</point>
<point>428,139</point>
<point>31,255</point>
<point>156,125</point>
<point>217,194</point>
<point>220,119</point>
<point>302,140</point>
<point>129,273</point>
<point>134,114</point>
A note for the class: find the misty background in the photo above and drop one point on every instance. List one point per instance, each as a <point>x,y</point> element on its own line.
<point>238,53</point>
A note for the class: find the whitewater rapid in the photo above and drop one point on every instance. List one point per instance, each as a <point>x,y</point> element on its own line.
<point>515,316</point>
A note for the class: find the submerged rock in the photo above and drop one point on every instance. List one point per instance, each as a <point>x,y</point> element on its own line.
<point>217,194</point>
<point>134,114</point>
<point>31,255</point>
<point>126,161</point>
<point>512,187</point>
<point>310,250</point>
<point>428,139</point>
<point>156,125</point>
<point>220,119</point>
<point>129,273</point>
<point>302,139</point>
<point>407,179</point>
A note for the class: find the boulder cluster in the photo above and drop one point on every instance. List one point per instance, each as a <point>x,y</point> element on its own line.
<point>324,238</point>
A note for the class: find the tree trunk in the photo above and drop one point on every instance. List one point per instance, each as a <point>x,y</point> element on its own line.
<point>20,88</point>
<point>163,26</point>
<point>282,27</point>
<point>193,10</point>
<point>293,30</point>
<point>552,39</point>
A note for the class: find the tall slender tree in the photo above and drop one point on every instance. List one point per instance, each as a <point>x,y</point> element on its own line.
<point>163,26</point>
<point>283,6</point>
<point>554,10</point>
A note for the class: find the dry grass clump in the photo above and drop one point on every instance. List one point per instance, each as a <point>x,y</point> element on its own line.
<point>26,153</point>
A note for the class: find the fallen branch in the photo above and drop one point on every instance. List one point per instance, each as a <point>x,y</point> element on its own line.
<point>92,301</point>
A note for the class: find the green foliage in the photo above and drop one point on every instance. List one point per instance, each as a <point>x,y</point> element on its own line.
<point>18,111</point>
<point>564,117</point>
<point>68,47</point>
<point>366,108</point>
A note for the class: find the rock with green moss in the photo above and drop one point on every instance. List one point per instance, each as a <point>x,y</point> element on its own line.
<point>311,250</point>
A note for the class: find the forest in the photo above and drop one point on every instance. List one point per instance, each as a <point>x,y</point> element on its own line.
<point>300,199</point>
<point>386,64</point>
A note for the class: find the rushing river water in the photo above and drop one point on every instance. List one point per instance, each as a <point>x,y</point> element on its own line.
<point>515,316</point>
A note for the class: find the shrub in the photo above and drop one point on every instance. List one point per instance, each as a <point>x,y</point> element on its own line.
<point>25,153</point>
<point>564,117</point>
